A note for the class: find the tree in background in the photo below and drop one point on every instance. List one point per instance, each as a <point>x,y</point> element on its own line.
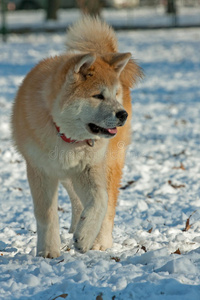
<point>52,7</point>
<point>171,7</point>
<point>91,7</point>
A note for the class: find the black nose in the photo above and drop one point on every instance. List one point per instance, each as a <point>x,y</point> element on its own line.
<point>122,115</point>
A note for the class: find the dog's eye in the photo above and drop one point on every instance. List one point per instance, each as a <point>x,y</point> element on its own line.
<point>99,96</point>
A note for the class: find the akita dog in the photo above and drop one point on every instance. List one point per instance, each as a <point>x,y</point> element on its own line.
<point>65,124</point>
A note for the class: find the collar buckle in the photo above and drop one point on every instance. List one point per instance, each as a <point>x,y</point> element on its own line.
<point>90,142</point>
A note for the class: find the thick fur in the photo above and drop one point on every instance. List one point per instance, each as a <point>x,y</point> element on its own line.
<point>64,90</point>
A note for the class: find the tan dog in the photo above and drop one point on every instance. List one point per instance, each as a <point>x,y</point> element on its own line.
<point>64,121</point>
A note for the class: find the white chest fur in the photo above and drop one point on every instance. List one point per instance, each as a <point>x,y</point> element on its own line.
<point>63,158</point>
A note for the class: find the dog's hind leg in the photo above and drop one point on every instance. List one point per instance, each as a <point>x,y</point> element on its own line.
<point>44,190</point>
<point>77,207</point>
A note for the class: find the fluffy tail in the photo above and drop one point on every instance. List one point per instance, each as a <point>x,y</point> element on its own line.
<point>91,35</point>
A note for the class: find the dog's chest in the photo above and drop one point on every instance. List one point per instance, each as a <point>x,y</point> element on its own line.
<point>62,159</point>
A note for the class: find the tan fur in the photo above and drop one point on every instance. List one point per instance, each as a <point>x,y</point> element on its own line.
<point>63,90</point>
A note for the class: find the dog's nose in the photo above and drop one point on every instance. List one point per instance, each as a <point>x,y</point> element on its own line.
<point>122,115</point>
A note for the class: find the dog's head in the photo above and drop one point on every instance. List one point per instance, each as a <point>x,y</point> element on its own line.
<point>90,103</point>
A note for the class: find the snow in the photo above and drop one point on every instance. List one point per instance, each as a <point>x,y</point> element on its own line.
<point>139,17</point>
<point>152,211</point>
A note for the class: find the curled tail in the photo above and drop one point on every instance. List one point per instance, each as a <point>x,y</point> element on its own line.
<point>91,35</point>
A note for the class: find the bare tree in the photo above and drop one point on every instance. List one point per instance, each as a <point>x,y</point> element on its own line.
<point>52,7</point>
<point>172,10</point>
<point>91,7</point>
<point>171,7</point>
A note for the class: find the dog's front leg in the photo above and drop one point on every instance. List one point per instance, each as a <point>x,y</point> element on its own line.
<point>91,188</point>
<point>44,192</point>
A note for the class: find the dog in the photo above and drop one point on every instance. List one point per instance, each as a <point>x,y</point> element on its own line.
<point>71,121</point>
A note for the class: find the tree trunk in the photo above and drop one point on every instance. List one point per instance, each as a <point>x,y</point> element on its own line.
<point>91,7</point>
<point>52,7</point>
<point>171,7</point>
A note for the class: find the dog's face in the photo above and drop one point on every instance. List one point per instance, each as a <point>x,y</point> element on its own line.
<point>90,103</point>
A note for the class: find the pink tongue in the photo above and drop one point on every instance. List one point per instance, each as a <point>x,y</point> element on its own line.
<point>112,130</point>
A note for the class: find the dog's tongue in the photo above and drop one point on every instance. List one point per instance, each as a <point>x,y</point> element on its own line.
<point>112,130</point>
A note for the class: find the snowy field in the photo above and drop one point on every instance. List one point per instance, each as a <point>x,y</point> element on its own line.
<point>156,251</point>
<point>139,17</point>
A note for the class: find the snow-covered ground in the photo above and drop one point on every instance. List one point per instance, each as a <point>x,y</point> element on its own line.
<point>142,17</point>
<point>163,164</point>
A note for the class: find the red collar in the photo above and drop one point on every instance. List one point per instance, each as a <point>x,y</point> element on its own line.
<point>63,136</point>
<point>70,141</point>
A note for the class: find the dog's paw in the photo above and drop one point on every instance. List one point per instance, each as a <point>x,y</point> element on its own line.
<point>102,243</point>
<point>86,232</point>
<point>49,253</point>
<point>82,243</point>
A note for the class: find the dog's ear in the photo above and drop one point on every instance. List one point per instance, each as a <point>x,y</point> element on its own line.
<point>131,74</point>
<point>118,60</point>
<point>84,63</point>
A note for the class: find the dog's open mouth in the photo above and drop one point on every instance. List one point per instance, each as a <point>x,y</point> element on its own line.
<point>100,130</point>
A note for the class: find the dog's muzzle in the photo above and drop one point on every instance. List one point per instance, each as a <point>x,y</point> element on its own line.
<point>122,115</point>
